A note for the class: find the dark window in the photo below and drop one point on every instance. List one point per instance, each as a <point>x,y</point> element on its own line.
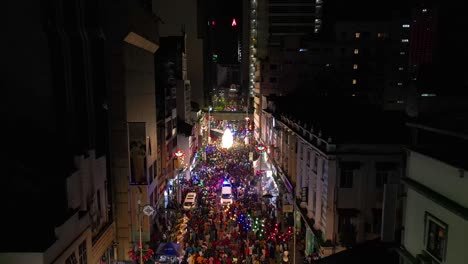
<point>314,200</point>
<point>273,66</point>
<point>324,168</point>
<point>150,151</point>
<point>272,79</point>
<point>71,259</point>
<point>82,253</point>
<point>98,197</point>
<point>346,178</point>
<point>308,158</point>
<point>381,178</point>
<point>383,172</point>
<point>343,221</point>
<point>376,220</point>
<point>315,162</point>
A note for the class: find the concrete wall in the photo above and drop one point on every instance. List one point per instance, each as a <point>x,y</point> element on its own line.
<point>364,195</point>
<point>70,235</point>
<point>140,92</point>
<point>445,180</point>
<point>439,176</point>
<point>21,258</point>
<point>413,241</point>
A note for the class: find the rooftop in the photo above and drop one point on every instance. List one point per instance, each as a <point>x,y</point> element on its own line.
<point>372,251</point>
<point>443,137</point>
<point>346,120</point>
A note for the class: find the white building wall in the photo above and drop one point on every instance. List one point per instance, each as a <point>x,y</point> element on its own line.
<point>331,217</point>
<point>445,180</point>
<point>318,190</point>
<point>439,176</point>
<point>417,205</point>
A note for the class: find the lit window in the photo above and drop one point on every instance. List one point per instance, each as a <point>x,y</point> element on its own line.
<point>357,35</point>
<point>406,25</point>
<point>400,68</point>
<point>354,81</point>
<point>404,40</point>
<point>355,66</point>
<point>402,53</point>
<point>356,51</point>
<point>435,237</point>
<point>400,84</point>
<point>380,35</point>
<point>424,10</point>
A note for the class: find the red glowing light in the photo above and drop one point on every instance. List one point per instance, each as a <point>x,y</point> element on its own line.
<point>234,22</point>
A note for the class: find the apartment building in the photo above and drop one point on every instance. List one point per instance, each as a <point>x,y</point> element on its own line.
<point>344,174</point>
<point>334,48</point>
<point>436,205</point>
<point>57,185</point>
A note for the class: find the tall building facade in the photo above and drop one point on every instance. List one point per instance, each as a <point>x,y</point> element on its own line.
<point>57,178</point>
<point>131,41</point>
<point>169,62</point>
<point>271,22</point>
<point>437,79</point>
<point>183,18</point>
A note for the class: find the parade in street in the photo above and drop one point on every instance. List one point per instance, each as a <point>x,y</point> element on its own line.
<point>228,214</point>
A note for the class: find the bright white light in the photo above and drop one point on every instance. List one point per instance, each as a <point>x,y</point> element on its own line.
<point>227,139</point>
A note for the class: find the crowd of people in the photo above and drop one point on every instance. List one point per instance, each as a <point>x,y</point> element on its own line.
<point>246,231</point>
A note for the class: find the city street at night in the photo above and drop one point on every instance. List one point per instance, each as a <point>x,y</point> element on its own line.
<point>245,229</point>
<point>234,132</point>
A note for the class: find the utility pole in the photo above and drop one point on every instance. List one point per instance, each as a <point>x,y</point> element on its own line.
<point>140,228</point>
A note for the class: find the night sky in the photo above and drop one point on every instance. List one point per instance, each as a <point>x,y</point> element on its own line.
<point>226,36</point>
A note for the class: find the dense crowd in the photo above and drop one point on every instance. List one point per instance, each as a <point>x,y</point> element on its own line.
<point>246,231</point>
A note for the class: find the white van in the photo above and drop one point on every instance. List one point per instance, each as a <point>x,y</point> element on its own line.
<point>226,193</point>
<point>190,201</point>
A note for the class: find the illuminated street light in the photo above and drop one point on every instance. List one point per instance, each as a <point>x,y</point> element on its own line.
<point>227,139</point>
